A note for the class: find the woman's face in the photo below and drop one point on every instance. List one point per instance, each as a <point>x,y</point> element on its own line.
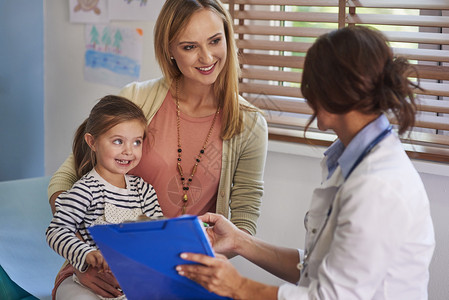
<point>200,49</point>
<point>326,120</point>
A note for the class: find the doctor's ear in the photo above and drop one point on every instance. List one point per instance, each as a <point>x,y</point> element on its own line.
<point>90,141</point>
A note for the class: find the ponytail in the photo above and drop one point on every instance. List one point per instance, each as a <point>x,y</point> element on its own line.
<point>84,156</point>
<point>394,92</point>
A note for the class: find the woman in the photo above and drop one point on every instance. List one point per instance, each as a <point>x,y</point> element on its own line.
<point>207,144</point>
<point>369,229</point>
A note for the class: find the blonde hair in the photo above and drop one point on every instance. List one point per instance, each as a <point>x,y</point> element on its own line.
<point>174,16</point>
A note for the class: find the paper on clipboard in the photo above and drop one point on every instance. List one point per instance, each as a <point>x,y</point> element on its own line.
<point>143,257</point>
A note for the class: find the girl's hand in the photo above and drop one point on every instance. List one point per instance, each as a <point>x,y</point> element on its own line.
<point>96,260</point>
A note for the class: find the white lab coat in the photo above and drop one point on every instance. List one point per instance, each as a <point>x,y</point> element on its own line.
<point>378,241</point>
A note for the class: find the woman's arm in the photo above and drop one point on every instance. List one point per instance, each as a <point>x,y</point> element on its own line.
<point>101,283</point>
<point>52,201</point>
<point>227,238</point>
<point>249,152</point>
<point>219,276</point>
<point>62,180</point>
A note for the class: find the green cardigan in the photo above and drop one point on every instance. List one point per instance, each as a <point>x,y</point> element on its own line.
<point>243,158</point>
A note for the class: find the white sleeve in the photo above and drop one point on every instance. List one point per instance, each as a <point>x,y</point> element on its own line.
<point>301,255</point>
<point>289,291</point>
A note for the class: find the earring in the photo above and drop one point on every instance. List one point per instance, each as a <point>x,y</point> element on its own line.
<point>172,58</point>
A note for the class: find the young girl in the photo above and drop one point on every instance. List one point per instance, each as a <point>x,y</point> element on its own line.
<point>106,146</point>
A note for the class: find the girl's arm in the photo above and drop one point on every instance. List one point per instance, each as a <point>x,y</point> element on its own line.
<point>61,233</point>
<point>151,207</point>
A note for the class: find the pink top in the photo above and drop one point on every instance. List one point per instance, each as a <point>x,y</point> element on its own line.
<point>158,165</point>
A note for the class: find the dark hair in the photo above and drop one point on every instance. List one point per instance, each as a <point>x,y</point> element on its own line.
<point>108,112</point>
<point>353,68</point>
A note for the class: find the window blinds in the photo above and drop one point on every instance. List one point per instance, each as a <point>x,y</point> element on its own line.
<point>273,36</point>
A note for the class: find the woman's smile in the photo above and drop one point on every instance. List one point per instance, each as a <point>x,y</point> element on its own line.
<point>207,70</point>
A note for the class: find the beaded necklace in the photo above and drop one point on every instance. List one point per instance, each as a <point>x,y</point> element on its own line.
<point>186,184</point>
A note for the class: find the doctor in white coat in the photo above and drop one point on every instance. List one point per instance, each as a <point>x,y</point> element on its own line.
<point>369,229</point>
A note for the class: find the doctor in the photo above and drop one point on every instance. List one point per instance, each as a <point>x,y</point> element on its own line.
<point>369,230</point>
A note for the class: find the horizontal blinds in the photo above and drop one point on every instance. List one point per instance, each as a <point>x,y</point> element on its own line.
<point>273,36</point>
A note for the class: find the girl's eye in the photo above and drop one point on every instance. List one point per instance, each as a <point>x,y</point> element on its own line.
<point>117,142</point>
<point>138,143</point>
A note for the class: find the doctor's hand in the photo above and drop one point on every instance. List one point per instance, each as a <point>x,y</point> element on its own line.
<point>101,283</point>
<point>222,233</point>
<point>216,274</point>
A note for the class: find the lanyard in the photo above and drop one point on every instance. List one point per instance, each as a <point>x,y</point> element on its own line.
<point>302,265</point>
<point>376,141</point>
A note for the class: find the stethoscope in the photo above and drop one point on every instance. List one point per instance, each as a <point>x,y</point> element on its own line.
<point>303,265</point>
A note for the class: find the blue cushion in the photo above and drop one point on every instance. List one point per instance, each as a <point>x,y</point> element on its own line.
<point>24,254</point>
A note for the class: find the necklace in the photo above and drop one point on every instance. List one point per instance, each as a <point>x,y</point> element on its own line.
<point>186,183</point>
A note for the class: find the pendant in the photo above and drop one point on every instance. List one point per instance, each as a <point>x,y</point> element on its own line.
<point>184,198</point>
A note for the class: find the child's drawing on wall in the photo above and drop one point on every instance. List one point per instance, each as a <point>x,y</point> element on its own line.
<point>113,54</point>
<point>133,10</point>
<point>142,2</point>
<point>87,5</point>
<point>88,11</point>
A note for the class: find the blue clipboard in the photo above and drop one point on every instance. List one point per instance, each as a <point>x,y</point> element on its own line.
<point>143,256</point>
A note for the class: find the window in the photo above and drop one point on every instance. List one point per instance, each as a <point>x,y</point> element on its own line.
<point>273,36</point>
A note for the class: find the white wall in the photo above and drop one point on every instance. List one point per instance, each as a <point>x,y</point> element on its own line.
<point>292,171</point>
<point>68,97</point>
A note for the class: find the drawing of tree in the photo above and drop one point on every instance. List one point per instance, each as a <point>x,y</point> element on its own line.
<point>106,38</point>
<point>94,37</point>
<point>118,39</point>
<point>142,2</point>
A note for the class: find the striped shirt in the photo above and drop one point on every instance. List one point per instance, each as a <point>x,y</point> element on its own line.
<point>87,204</point>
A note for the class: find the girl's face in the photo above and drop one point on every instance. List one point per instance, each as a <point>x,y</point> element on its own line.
<point>118,150</point>
<point>200,49</point>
